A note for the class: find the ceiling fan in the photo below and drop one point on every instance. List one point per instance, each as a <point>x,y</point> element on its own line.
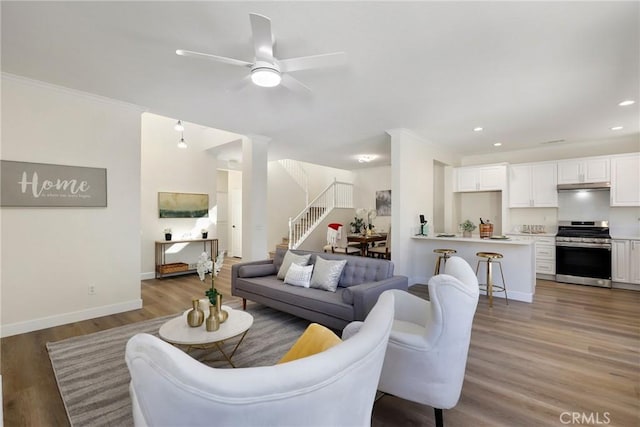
<point>266,70</point>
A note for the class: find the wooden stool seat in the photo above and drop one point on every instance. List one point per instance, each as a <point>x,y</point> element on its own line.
<point>490,258</point>
<point>444,254</point>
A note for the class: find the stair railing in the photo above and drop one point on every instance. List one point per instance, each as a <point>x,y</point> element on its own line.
<point>337,195</point>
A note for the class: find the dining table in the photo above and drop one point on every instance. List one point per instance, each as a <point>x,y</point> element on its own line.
<point>364,240</point>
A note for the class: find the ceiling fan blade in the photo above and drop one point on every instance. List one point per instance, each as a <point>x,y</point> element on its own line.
<point>262,37</point>
<point>315,61</point>
<point>224,59</point>
<point>294,85</point>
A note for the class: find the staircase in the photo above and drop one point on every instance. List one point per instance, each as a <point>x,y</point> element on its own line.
<point>336,195</point>
<point>298,174</point>
<point>284,245</point>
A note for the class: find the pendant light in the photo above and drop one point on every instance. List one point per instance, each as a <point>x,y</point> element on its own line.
<point>182,144</point>
<point>179,126</point>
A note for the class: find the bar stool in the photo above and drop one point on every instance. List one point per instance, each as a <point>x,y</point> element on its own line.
<point>444,254</point>
<point>490,258</point>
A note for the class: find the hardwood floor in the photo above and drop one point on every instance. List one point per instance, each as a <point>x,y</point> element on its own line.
<point>576,349</point>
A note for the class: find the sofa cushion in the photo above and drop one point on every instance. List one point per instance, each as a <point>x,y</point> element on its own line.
<point>291,258</point>
<point>326,274</point>
<point>299,275</point>
<point>329,303</point>
<point>257,270</point>
<point>315,339</point>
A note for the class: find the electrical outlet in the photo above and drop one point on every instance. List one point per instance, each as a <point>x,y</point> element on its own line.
<point>92,290</point>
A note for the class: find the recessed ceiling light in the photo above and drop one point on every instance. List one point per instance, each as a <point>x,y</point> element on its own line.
<point>366,158</point>
<point>617,128</point>
<point>627,102</point>
<point>477,129</point>
<point>497,144</point>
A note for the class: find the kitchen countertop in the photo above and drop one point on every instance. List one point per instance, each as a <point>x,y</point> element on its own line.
<point>625,237</point>
<point>459,238</point>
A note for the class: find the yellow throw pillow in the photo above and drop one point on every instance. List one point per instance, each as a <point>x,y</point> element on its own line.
<point>315,339</point>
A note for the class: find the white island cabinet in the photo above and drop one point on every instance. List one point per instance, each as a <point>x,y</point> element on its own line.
<point>519,262</point>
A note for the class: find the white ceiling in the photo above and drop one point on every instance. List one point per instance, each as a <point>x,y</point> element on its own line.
<point>527,72</point>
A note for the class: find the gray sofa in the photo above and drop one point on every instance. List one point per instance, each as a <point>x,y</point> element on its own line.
<point>362,281</point>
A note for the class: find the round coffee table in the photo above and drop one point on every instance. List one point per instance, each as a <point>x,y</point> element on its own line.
<point>177,332</point>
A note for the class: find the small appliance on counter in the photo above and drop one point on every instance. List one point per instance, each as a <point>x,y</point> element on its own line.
<point>583,253</point>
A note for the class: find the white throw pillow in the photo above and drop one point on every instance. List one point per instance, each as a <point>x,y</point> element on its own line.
<point>299,275</point>
<point>326,274</point>
<point>291,258</point>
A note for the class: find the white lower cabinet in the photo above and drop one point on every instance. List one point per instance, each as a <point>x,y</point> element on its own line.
<point>625,261</point>
<point>545,252</point>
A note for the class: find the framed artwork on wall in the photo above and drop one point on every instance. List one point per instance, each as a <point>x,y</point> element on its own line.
<point>183,205</point>
<point>383,203</point>
<point>25,184</point>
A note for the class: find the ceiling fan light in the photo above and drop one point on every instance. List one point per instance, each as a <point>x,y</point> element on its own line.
<point>266,77</point>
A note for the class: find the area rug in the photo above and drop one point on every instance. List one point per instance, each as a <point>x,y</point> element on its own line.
<point>93,378</point>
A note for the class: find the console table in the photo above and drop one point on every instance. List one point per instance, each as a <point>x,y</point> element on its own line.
<point>180,268</point>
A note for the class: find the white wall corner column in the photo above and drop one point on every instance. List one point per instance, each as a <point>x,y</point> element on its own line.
<point>254,197</point>
<point>412,170</point>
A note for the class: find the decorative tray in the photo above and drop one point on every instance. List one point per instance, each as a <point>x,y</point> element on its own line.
<point>499,237</point>
<point>446,235</point>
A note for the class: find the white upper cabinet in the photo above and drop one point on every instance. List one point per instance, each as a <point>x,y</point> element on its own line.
<point>590,169</point>
<point>625,180</point>
<point>533,185</point>
<point>480,178</point>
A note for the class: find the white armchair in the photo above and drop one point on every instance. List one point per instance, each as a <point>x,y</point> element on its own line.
<point>336,387</point>
<point>427,351</point>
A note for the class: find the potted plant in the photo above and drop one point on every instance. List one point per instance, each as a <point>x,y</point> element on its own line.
<point>467,227</point>
<point>167,234</point>
<point>357,224</point>
<point>205,233</point>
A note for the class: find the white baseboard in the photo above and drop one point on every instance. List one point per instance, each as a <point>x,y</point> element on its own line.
<point>63,319</point>
<point>147,276</point>
<point>513,295</point>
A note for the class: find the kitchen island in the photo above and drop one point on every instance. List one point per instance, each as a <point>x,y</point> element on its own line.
<point>519,262</point>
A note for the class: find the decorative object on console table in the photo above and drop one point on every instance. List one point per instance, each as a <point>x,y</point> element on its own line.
<point>167,234</point>
<point>174,267</point>
<point>195,317</point>
<point>467,227</point>
<point>205,233</point>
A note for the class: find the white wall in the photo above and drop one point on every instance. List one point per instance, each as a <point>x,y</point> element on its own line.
<point>50,256</point>
<point>168,168</point>
<point>412,171</point>
<point>366,182</point>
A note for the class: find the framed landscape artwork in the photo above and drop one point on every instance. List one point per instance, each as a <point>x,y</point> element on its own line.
<point>383,203</point>
<point>183,205</point>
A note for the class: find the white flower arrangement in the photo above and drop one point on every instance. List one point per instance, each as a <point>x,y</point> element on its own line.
<point>206,265</point>
<point>167,231</point>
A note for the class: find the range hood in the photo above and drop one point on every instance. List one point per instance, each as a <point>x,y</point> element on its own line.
<point>588,186</point>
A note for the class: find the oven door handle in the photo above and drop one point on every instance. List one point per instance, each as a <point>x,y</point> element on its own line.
<point>584,245</point>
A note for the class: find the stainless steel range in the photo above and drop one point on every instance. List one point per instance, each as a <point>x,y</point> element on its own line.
<point>583,253</point>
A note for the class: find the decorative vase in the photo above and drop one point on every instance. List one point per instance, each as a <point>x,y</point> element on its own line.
<point>466,233</point>
<point>212,323</point>
<point>205,234</point>
<point>195,316</point>
<point>167,236</point>
<point>223,315</point>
